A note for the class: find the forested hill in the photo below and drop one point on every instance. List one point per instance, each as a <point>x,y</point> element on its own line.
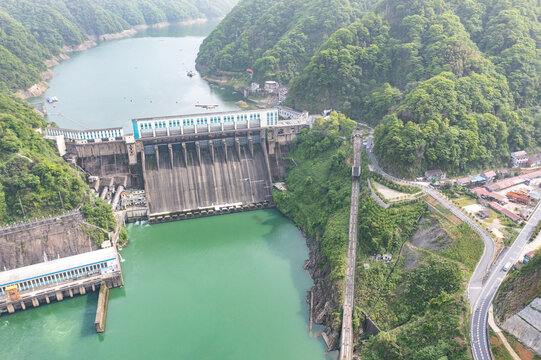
<point>276,38</point>
<point>454,84</point>
<point>32,31</point>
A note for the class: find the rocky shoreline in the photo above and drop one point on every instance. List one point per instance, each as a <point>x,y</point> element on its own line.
<point>39,88</point>
<point>326,298</point>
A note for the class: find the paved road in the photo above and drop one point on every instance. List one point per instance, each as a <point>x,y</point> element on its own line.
<point>479,322</point>
<point>346,337</point>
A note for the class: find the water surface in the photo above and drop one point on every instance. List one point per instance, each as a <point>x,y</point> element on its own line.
<point>224,287</point>
<point>143,76</point>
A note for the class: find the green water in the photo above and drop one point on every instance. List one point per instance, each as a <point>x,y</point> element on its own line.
<point>225,287</point>
<point>143,76</point>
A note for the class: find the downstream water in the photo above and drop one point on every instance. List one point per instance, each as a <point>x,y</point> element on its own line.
<point>225,287</point>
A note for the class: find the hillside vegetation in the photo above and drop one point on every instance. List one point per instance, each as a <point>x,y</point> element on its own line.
<point>418,298</point>
<point>452,84</point>
<point>519,289</point>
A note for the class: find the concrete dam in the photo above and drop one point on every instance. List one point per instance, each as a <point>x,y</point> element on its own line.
<point>206,174</point>
<point>187,165</point>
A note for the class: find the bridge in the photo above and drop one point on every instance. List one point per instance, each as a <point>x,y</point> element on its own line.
<point>346,337</point>
<point>189,165</point>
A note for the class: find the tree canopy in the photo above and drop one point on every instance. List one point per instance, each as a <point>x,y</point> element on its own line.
<point>452,84</point>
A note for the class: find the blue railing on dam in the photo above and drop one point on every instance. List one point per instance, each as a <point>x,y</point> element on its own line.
<point>204,123</point>
<point>86,134</point>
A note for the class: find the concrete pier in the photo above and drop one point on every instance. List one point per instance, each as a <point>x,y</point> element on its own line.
<point>237,147</point>
<point>185,153</point>
<point>170,147</point>
<point>251,145</point>
<point>157,152</point>
<point>211,147</point>
<point>224,145</point>
<point>198,151</point>
<point>101,311</point>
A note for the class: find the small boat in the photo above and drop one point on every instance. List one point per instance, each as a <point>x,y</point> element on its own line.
<point>207,106</point>
<point>52,99</point>
<point>191,73</point>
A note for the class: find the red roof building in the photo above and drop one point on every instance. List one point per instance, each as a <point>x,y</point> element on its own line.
<point>505,212</point>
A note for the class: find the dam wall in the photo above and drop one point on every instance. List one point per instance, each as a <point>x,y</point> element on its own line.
<point>188,165</point>
<point>108,159</point>
<point>189,176</point>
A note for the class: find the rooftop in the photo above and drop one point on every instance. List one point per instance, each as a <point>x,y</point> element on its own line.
<point>489,174</point>
<point>519,153</point>
<point>205,114</point>
<point>54,266</point>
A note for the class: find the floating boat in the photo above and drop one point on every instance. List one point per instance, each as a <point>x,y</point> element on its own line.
<point>52,99</point>
<point>207,106</point>
<point>191,73</point>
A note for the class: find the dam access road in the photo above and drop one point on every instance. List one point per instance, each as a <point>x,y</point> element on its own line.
<point>346,337</point>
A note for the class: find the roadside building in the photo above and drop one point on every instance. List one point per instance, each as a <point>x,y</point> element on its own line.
<point>484,195</point>
<point>518,197</point>
<point>435,175</point>
<point>465,181</point>
<point>477,180</point>
<point>271,86</point>
<point>506,183</point>
<point>525,214</point>
<point>489,176</point>
<point>528,256</point>
<point>511,215</point>
<point>484,214</point>
<point>535,195</point>
<point>519,158</point>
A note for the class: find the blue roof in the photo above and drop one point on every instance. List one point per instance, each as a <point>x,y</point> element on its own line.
<point>477,178</point>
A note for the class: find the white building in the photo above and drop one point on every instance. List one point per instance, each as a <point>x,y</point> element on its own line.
<point>519,158</point>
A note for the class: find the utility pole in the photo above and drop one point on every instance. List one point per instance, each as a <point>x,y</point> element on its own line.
<point>21,203</point>
<point>61,202</point>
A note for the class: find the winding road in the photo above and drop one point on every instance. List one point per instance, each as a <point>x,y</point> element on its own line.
<point>480,293</point>
<point>479,322</point>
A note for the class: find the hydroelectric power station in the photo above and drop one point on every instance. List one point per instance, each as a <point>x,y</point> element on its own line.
<point>188,165</point>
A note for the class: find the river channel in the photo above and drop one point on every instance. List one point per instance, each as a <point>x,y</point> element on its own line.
<point>224,287</point>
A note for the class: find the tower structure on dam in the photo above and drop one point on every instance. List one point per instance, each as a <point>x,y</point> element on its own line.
<point>190,165</point>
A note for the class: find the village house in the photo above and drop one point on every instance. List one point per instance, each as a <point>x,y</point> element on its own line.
<point>434,175</point>
<point>519,158</point>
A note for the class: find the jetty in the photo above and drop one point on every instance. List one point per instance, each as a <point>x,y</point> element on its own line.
<point>101,311</point>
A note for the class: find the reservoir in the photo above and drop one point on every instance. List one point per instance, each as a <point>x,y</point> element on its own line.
<point>224,287</point>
